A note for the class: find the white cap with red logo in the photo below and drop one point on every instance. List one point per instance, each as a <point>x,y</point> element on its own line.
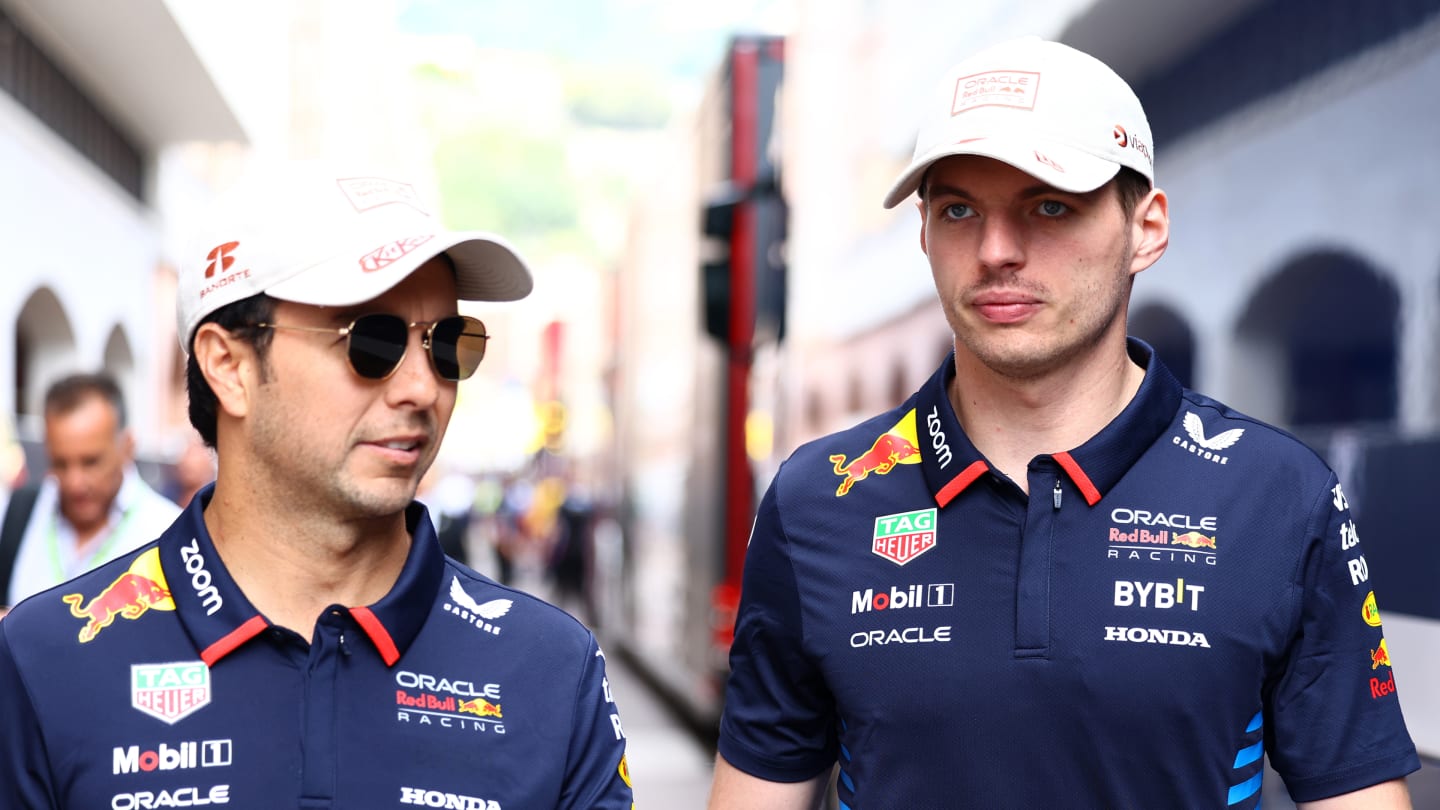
<point>311,234</point>
<point>1055,113</point>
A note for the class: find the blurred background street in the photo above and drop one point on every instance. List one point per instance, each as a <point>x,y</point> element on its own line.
<point>697,190</point>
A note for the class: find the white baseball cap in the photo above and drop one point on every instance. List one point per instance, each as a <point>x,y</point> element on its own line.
<point>1055,113</point>
<point>313,234</point>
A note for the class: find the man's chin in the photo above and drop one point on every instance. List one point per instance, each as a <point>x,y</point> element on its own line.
<point>383,499</point>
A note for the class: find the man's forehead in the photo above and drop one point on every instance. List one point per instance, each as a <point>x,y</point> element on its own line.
<point>92,416</point>
<point>970,174</point>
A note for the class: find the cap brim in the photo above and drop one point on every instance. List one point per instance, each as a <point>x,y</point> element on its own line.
<point>487,268</point>
<point>1064,167</point>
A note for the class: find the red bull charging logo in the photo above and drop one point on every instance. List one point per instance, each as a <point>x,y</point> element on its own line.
<point>480,707</point>
<point>1380,656</point>
<point>139,589</point>
<point>1193,540</point>
<point>896,446</point>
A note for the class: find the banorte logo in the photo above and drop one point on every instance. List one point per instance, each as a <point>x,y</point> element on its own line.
<point>220,261</point>
<point>141,588</point>
<point>220,256</point>
<point>898,445</point>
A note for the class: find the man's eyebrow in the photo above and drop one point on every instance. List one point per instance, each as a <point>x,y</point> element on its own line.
<point>1037,190</point>
<point>936,189</point>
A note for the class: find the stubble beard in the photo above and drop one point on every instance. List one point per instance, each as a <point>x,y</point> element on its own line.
<point>1017,354</point>
<point>322,484</point>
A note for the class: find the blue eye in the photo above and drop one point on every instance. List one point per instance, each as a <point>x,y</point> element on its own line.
<point>1053,208</point>
<point>957,211</point>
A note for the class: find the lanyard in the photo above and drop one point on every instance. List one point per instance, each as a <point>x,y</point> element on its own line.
<point>57,563</point>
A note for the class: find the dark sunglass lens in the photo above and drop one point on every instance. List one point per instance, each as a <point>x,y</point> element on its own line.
<point>457,346</point>
<point>377,344</point>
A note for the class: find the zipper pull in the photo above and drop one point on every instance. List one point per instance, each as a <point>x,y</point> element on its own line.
<point>1057,492</point>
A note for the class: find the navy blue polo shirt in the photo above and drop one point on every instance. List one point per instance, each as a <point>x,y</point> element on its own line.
<point>1177,597</point>
<point>153,682</point>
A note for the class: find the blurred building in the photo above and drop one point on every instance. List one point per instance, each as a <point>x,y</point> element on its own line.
<point>91,95</point>
<point>118,125</point>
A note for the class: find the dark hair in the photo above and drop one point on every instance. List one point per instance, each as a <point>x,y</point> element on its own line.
<point>239,319</point>
<point>68,393</point>
<point>1130,186</point>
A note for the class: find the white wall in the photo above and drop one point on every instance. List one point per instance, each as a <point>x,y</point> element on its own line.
<point>1345,161</point>
<point>67,226</point>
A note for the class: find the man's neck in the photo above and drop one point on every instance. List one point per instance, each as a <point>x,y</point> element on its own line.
<point>292,565</point>
<point>87,535</point>
<point>1011,421</point>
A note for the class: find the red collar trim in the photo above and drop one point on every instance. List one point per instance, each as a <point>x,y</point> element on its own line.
<point>1077,475</point>
<point>379,636</point>
<point>228,642</point>
<point>958,484</point>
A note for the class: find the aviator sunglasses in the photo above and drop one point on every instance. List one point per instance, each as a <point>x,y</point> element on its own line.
<point>376,344</point>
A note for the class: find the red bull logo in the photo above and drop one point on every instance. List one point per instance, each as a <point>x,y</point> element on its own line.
<point>1379,688</point>
<point>896,446</point>
<point>1380,656</point>
<point>1193,540</point>
<point>480,707</point>
<point>138,590</point>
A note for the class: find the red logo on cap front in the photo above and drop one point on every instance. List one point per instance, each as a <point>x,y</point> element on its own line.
<point>391,252</point>
<point>220,254</point>
<point>1048,162</point>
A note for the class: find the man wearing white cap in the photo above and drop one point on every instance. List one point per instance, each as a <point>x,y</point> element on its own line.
<point>1054,577</point>
<point>297,638</point>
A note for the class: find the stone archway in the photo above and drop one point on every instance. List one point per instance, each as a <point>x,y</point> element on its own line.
<point>44,349</point>
<point>1318,344</point>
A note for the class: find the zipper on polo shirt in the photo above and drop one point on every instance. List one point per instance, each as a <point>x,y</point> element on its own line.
<point>1033,584</point>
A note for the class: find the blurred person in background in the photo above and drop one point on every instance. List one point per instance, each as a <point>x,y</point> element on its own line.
<point>92,506</point>
<point>449,497</point>
<point>1053,577</point>
<point>570,556</point>
<point>299,623</point>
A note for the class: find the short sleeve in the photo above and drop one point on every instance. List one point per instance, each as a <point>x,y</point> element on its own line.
<point>597,775</point>
<point>779,717</point>
<point>1333,720</point>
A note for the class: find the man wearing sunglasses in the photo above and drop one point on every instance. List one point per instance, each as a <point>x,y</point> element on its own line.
<point>297,638</point>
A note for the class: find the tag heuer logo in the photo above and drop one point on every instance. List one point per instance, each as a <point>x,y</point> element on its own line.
<point>170,692</point>
<point>902,537</point>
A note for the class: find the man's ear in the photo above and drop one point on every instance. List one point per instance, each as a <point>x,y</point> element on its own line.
<point>230,365</point>
<point>920,206</point>
<point>1151,229</point>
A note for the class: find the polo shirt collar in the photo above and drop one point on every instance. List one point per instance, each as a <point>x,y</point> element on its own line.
<point>219,618</point>
<point>951,463</point>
